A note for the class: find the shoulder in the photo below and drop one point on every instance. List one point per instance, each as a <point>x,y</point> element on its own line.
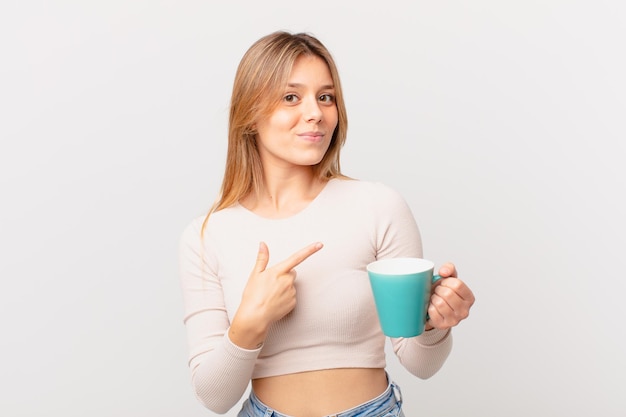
<point>202,225</point>
<point>365,190</point>
<point>192,232</point>
<point>372,198</point>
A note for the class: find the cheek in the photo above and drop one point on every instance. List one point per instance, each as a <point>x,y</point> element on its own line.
<point>332,118</point>
<point>274,125</point>
<point>283,119</point>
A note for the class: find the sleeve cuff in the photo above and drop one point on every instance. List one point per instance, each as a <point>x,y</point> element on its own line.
<point>239,352</point>
<point>432,337</point>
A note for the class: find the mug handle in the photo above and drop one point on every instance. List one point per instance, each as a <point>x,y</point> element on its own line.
<point>436,277</point>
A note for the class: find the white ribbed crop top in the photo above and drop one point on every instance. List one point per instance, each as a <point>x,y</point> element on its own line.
<point>334,323</point>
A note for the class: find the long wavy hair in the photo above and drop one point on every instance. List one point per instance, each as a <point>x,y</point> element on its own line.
<point>259,84</point>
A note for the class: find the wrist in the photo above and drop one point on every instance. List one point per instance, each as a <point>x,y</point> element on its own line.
<point>247,334</point>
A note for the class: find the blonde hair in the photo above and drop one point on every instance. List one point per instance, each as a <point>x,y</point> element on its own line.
<point>257,90</point>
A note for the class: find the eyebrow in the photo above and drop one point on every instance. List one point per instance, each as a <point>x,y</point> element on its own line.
<point>297,85</point>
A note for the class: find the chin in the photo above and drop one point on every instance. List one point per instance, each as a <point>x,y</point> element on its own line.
<point>313,162</point>
<point>309,160</point>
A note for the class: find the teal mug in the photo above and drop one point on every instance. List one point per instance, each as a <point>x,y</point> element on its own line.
<point>401,289</point>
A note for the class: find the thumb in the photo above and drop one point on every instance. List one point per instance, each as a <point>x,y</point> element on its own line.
<point>262,258</point>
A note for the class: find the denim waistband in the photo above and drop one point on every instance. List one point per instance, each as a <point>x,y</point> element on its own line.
<point>383,405</point>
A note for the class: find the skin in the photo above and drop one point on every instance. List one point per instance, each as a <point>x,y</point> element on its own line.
<point>290,141</point>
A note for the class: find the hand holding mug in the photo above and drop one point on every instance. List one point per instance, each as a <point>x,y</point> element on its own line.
<point>406,293</point>
<point>450,301</point>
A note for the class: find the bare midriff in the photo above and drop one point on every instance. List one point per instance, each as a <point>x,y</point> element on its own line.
<point>320,393</point>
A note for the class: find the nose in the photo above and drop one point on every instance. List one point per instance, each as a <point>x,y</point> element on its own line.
<point>312,111</point>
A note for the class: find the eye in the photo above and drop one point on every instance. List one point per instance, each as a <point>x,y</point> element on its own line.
<point>327,98</point>
<point>290,98</point>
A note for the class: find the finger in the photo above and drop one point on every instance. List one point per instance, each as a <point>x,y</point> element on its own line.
<point>448,270</point>
<point>262,258</point>
<point>298,257</point>
<point>442,305</point>
<point>441,314</point>
<point>460,288</point>
<point>435,319</point>
<point>292,274</point>
<point>455,308</point>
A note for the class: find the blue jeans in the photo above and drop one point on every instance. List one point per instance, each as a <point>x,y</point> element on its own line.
<point>387,404</point>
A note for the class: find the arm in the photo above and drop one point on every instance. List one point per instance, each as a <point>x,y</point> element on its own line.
<point>425,354</point>
<point>450,303</point>
<point>220,370</point>
<point>224,353</point>
<point>399,236</point>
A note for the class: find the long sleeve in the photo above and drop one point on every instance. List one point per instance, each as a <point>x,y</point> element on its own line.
<point>220,370</point>
<point>425,354</point>
<point>398,236</point>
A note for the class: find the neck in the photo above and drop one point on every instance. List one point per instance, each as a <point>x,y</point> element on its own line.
<point>284,193</point>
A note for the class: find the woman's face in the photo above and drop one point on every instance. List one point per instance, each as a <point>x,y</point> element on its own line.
<point>300,129</point>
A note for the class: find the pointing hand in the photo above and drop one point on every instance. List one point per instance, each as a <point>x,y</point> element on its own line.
<point>269,295</point>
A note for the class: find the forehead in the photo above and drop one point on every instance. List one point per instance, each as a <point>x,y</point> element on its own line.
<point>310,69</point>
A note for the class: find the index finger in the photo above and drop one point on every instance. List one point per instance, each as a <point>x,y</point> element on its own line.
<point>298,257</point>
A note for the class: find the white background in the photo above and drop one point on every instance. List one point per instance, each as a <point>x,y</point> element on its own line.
<point>502,123</point>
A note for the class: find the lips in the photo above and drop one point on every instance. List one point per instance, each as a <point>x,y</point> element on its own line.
<point>312,136</point>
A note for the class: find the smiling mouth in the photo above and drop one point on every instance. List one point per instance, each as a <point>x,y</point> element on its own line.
<point>312,138</point>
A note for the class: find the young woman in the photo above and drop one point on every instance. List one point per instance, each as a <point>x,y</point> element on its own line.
<point>300,321</point>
